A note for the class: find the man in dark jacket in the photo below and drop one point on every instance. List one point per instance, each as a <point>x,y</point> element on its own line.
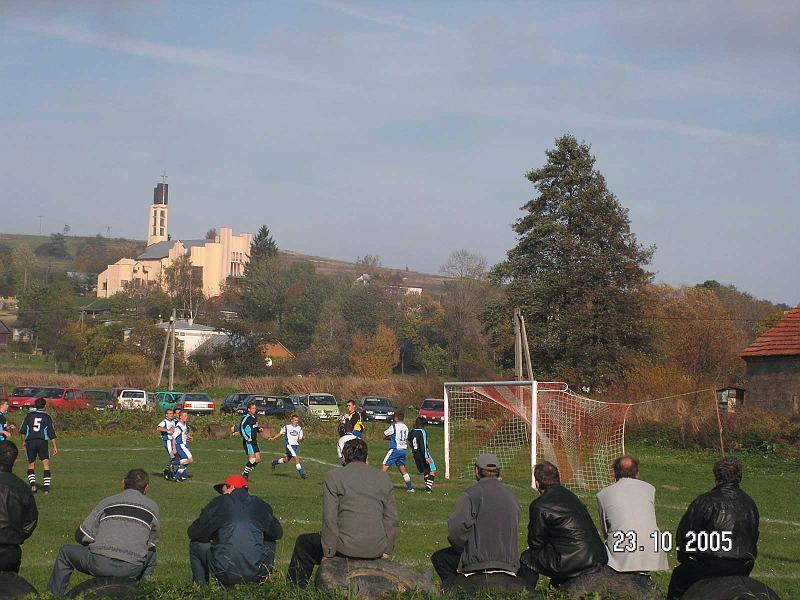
<point>562,539</point>
<point>730,514</point>
<point>483,529</point>
<point>235,536</point>
<point>18,514</point>
<point>359,516</point>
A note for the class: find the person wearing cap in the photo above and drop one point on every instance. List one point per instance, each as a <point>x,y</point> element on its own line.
<point>359,517</point>
<point>235,537</point>
<point>483,529</point>
<point>563,541</point>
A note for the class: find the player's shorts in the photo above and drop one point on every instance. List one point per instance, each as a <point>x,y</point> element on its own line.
<point>182,452</point>
<point>37,449</point>
<point>423,466</point>
<point>251,447</point>
<point>395,458</point>
<point>168,446</point>
<point>342,441</point>
<point>292,450</point>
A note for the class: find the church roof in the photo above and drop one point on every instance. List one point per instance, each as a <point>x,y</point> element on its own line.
<point>781,340</point>
<point>161,250</point>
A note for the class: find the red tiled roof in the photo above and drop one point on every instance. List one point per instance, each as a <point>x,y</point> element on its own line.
<point>781,340</point>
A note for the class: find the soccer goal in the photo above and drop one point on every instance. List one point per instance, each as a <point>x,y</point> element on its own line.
<point>524,422</point>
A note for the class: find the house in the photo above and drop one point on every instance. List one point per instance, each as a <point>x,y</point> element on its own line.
<point>194,336</point>
<point>5,336</point>
<point>773,367</point>
<point>213,260</point>
<point>275,352</point>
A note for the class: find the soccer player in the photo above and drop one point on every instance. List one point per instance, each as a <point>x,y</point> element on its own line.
<point>37,429</point>
<point>183,457</point>
<point>397,434</point>
<point>249,430</point>
<point>165,428</point>
<point>422,453</point>
<point>351,426</point>
<point>292,434</point>
<point>6,428</point>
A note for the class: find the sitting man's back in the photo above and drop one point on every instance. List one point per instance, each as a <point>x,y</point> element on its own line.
<point>483,530</point>
<point>629,506</point>
<point>562,539</point>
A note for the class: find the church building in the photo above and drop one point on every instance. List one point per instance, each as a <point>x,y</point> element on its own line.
<point>213,261</point>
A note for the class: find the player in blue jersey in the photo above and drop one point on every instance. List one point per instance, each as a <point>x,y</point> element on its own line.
<point>418,438</point>
<point>6,428</point>
<point>183,457</point>
<point>249,430</point>
<point>397,434</point>
<point>38,433</point>
<point>292,434</point>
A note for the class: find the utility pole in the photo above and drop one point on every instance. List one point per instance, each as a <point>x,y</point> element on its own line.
<point>40,224</point>
<point>172,354</point>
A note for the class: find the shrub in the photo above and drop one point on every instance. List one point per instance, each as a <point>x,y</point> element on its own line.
<point>122,362</point>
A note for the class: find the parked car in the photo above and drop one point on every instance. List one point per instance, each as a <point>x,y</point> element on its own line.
<point>432,410</point>
<point>100,399</point>
<point>321,406</point>
<point>129,399</point>
<point>24,396</point>
<point>197,403</point>
<point>168,400</point>
<point>268,406</point>
<point>376,408</point>
<point>232,402</point>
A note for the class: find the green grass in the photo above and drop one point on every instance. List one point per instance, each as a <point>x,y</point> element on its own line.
<point>89,468</point>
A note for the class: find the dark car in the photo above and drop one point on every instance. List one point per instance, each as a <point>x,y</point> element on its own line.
<point>376,408</point>
<point>232,402</point>
<point>268,405</point>
<point>100,399</point>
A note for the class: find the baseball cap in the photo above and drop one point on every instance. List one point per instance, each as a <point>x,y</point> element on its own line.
<point>488,461</point>
<point>236,481</point>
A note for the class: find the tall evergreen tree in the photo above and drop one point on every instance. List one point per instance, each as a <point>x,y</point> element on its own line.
<point>263,245</point>
<point>577,272</point>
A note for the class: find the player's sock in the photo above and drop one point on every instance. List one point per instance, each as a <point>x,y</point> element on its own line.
<point>429,482</point>
<point>248,468</point>
<point>407,479</point>
<point>180,474</point>
<point>299,468</point>
<point>47,480</point>
<point>32,478</point>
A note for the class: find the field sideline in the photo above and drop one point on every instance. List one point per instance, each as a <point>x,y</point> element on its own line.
<point>89,468</point>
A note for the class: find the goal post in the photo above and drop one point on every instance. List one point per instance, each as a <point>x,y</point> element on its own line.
<point>525,422</point>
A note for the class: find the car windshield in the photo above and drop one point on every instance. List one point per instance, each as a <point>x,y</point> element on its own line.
<point>132,394</point>
<point>322,401</point>
<point>27,391</point>
<point>97,394</point>
<point>53,393</point>
<point>376,402</point>
<point>433,404</point>
<point>196,398</point>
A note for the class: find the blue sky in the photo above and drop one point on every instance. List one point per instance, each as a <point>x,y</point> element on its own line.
<point>404,130</point>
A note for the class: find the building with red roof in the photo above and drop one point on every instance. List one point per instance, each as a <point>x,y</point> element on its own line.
<point>773,367</point>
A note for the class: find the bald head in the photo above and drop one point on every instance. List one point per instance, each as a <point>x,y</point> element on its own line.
<point>626,466</point>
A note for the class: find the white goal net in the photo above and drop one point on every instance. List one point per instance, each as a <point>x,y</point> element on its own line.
<point>580,435</point>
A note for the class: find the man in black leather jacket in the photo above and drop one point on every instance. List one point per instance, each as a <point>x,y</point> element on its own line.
<point>18,513</point>
<point>731,516</point>
<point>563,541</point>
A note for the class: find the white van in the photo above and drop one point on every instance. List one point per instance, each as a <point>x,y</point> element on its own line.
<point>132,400</point>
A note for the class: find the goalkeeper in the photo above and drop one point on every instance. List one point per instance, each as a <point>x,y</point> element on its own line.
<point>422,453</point>
<point>351,426</point>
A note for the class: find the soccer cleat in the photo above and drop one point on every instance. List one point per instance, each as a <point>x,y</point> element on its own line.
<point>428,491</point>
<point>33,489</point>
<point>46,490</point>
<point>302,475</point>
<point>167,474</point>
<point>411,490</point>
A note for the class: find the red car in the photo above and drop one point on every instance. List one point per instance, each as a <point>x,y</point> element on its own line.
<point>432,410</point>
<point>60,398</point>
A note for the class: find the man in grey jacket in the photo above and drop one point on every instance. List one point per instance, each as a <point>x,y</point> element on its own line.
<point>117,539</point>
<point>483,530</point>
<point>359,516</point>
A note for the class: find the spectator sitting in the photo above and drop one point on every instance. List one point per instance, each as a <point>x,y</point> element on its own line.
<point>727,511</point>
<point>483,529</point>
<point>234,538</point>
<point>118,538</point>
<point>625,506</point>
<point>359,516</point>
<point>562,539</point>
<point>18,514</point>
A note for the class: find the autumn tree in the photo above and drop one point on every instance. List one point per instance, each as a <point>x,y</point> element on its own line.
<point>577,272</point>
<point>375,356</point>
<point>184,284</point>
<point>330,350</point>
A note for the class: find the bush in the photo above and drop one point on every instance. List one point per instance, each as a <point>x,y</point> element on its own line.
<point>123,363</point>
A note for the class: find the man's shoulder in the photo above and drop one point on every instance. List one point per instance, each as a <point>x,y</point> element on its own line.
<point>624,487</point>
<point>10,480</point>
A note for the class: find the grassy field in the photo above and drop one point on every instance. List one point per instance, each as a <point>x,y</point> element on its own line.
<point>89,468</point>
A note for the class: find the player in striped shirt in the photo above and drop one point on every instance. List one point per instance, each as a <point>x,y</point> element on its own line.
<point>249,430</point>
<point>292,435</point>
<point>418,438</point>
<point>397,434</point>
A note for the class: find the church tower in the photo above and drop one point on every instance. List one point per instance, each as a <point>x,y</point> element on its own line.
<point>157,230</point>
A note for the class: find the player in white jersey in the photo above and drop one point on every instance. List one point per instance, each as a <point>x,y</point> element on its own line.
<point>397,434</point>
<point>166,427</point>
<point>292,435</point>
<point>183,457</point>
